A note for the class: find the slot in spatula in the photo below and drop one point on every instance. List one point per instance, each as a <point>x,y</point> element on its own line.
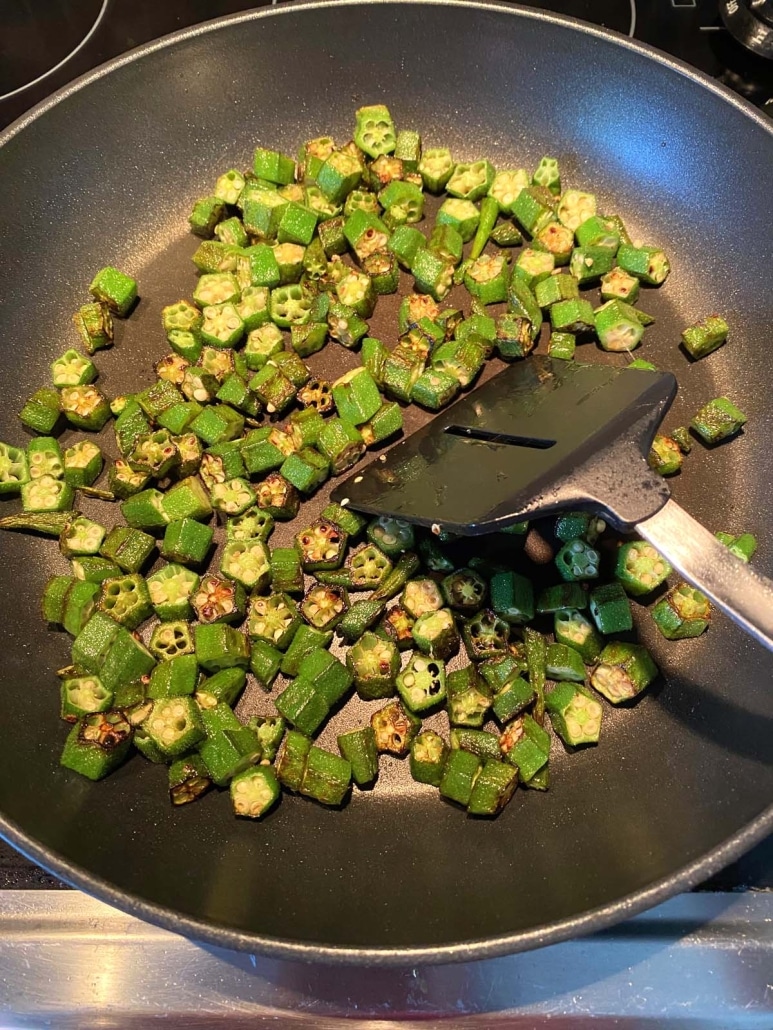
<point>545,435</point>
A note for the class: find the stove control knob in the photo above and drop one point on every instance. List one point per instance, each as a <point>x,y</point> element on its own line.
<point>751,22</point>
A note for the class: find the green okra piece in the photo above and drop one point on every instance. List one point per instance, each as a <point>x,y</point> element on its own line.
<point>459,773</point>
<point>327,777</point>
<point>176,677</point>
<point>422,684</point>
<point>303,706</point>
<point>391,584</point>
<point>561,596</point>
<point>526,745</point>
<point>223,687</point>
<point>394,728</point>
<point>683,613</point>
<point>50,523</point>
<point>331,678</point>
<point>83,695</point>
<point>254,791</point>
<point>305,640</point>
<point>361,615</point>
<point>489,212</point>
<point>536,656</point>
<point>498,671</point>
<point>640,568</point>
<point>291,762</point>
<point>718,420</point>
<point>563,662</point>
<point>170,639</point>
<point>623,671</point>
<point>358,747</point>
<point>575,713</point>
<point>577,560</point>
<point>610,608</point>
<point>469,697</point>
<point>512,698</point>
<point>428,757</point>
<point>97,744</point>
<point>743,545</point>
<point>374,664</point>
<point>571,627</point>
<point>188,779</point>
<point>485,635</point>
<point>477,742</point>
<point>493,787</point>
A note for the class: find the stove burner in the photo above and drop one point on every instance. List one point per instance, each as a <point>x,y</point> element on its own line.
<point>40,37</point>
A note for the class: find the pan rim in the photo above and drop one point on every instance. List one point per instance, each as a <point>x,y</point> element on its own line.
<point>480,948</point>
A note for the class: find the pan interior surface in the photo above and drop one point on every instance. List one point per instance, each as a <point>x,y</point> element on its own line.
<point>107,176</point>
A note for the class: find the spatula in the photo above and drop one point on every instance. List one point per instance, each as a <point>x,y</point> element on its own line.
<point>545,435</point>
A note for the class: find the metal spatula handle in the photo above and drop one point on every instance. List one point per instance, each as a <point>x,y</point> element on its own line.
<point>733,586</point>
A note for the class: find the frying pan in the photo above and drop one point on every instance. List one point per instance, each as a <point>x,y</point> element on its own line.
<point>105,172</point>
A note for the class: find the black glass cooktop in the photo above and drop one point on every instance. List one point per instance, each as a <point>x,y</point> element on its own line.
<point>50,42</point>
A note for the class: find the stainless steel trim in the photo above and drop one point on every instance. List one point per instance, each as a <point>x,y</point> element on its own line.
<point>701,960</point>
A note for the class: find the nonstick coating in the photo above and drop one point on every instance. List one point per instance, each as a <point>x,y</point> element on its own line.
<point>682,783</point>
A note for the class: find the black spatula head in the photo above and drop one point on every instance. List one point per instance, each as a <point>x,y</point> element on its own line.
<point>541,435</point>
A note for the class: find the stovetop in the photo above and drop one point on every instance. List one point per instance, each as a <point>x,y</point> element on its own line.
<point>50,42</point>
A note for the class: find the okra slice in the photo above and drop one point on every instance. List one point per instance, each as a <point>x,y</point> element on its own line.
<point>84,407</point>
<point>251,524</point>
<point>83,695</point>
<point>291,763</point>
<point>574,713</point>
<point>394,728</point>
<point>562,595</point>
<point>683,613</point>
<point>435,634</point>
<point>81,536</point>
<point>286,570</point>
<point>374,664</point>
<point>512,597</point>
<point>174,725</point>
<point>397,626</point>
<point>575,207</point>
<point>273,619</point>
<point>302,706</point>
<point>233,497</point>
<point>618,326</point>
<point>422,684</point>
<point>428,757</point>
<point>485,634</point>
<point>94,569</point>
<point>145,510</point>
<point>331,678</point>
<point>327,777</point>
<point>324,606</point>
<point>14,469</point>
<point>525,744</point>
<point>563,662</point>
<point>176,677</point>
<point>97,744</point>
<point>186,542</point>
<point>83,463</point>
<point>126,599</point>
<point>247,563</point>
<point>421,596</point>
<point>306,470</point>
<point>72,369</point>
<point>219,646</point>
<point>171,591</point>
<point>718,420</point>
<point>640,568</point>
<point>188,780</point>
<point>573,628</point>
<point>493,788</point>
<point>254,791</point>
<point>45,495</point>
<point>743,545</point>
<point>265,661</point>
<point>41,411</point>
<point>217,600</point>
<point>170,639</point>
<point>704,337</point>
<point>619,285</point>
<point>44,458</point>
<point>623,671</point>
<point>577,560</point>
<point>649,264</point>
<point>460,771</point>
<point>115,289</point>
<point>95,326</point>
<point>469,697</point>
<point>358,747</point>
<point>127,547</point>
<point>610,608</point>
<point>512,698</point>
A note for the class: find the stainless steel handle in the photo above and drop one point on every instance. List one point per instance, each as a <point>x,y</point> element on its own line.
<point>733,586</point>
